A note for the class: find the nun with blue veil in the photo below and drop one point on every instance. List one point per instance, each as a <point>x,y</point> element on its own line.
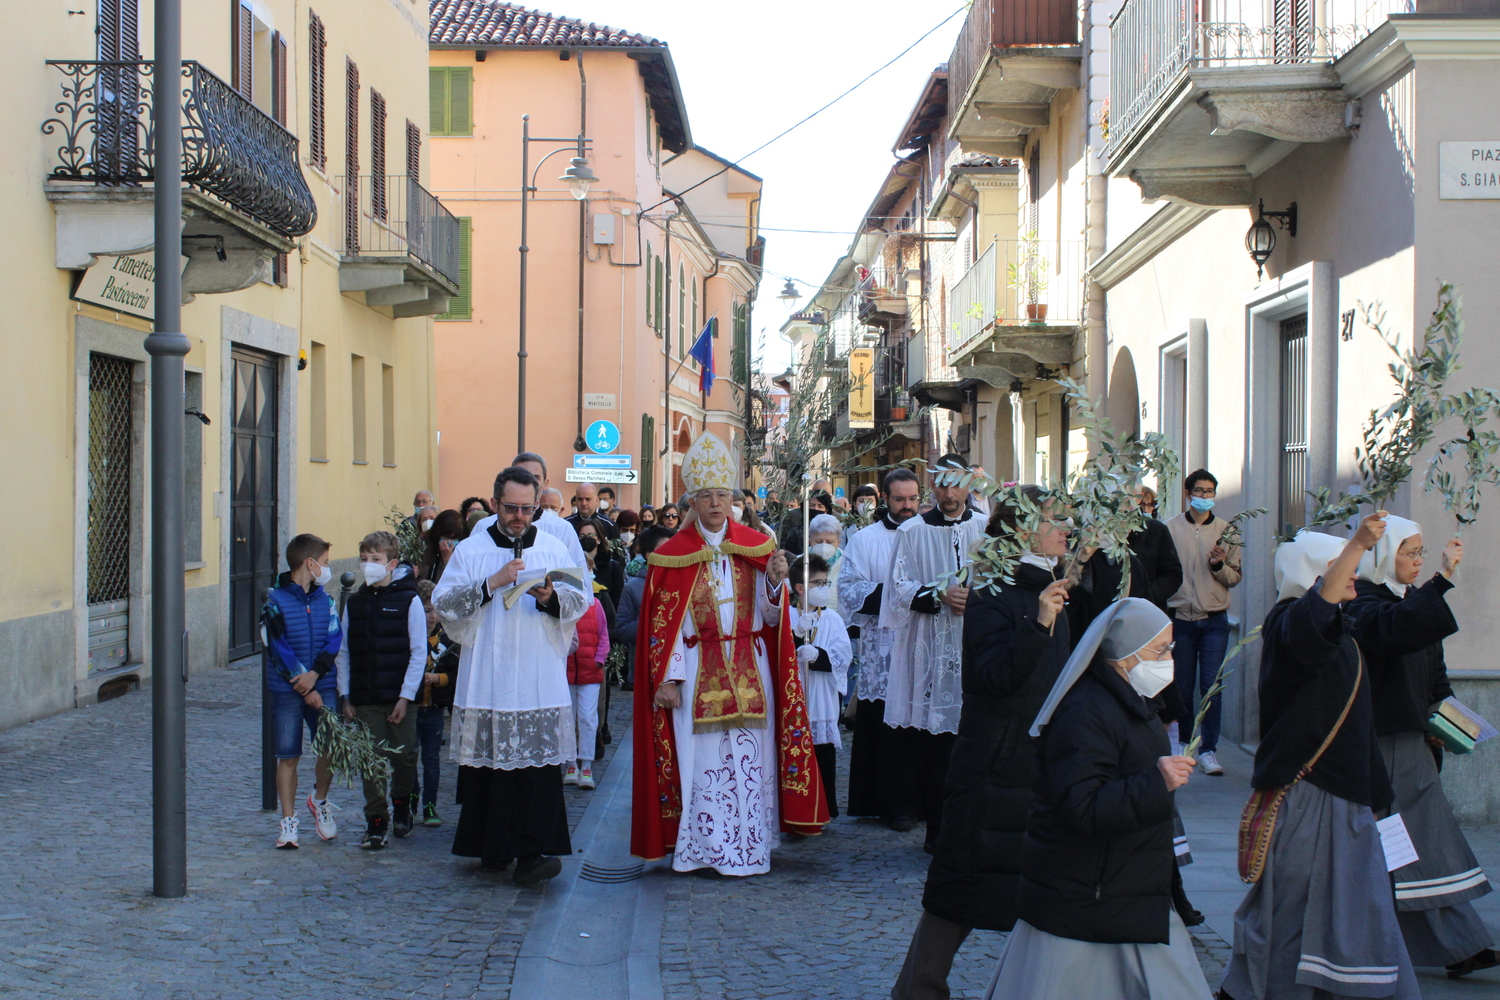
<point>1095,905</point>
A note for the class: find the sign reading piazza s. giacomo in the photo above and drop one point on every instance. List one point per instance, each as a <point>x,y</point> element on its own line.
<point>1469,170</point>
<point>123,282</point>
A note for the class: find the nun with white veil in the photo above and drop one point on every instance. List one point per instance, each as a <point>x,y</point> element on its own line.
<point>1319,920</point>
<point>1095,903</point>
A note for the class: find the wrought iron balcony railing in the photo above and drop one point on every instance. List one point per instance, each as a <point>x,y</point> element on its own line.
<point>231,149</point>
<point>394,216</point>
<point>1153,42</point>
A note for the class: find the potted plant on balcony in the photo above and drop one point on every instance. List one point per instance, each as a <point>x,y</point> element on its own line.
<point>1027,274</point>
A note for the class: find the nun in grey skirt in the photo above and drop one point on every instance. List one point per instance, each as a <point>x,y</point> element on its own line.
<point>1095,901</point>
<point>1401,628</point>
<point>1321,921</point>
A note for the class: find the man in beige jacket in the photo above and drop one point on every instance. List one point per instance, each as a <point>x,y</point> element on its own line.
<point>1200,608</point>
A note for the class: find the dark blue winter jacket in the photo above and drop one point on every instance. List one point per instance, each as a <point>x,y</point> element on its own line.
<point>302,633</point>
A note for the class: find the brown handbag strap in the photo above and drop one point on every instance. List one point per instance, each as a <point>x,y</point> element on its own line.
<point>1358,678</point>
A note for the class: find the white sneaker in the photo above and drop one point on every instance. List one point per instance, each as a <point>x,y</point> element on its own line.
<point>570,776</point>
<point>586,775</point>
<point>1210,764</point>
<point>322,814</point>
<point>287,841</point>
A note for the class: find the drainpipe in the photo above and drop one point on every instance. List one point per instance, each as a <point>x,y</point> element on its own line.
<point>1095,237</point>
<point>583,246</point>
<point>666,357</point>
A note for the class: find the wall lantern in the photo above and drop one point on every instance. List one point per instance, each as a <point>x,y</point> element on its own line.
<point>1260,239</point>
<point>578,177</point>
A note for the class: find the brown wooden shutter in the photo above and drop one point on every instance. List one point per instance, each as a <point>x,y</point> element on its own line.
<point>119,30</point>
<point>317,139</point>
<point>278,78</point>
<point>413,151</point>
<point>242,50</point>
<point>377,155</point>
<point>351,156</point>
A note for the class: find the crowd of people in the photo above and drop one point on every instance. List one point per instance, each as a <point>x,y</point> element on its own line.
<point>1037,728</point>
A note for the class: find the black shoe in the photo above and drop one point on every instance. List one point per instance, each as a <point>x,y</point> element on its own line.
<point>1484,960</point>
<point>401,821</point>
<point>375,834</point>
<point>901,824</point>
<point>536,868</point>
<point>1190,916</point>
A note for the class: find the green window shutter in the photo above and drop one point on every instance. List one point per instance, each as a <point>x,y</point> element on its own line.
<point>450,95</point>
<point>658,295</point>
<point>648,456</point>
<point>437,100</point>
<point>460,100</point>
<point>650,314</point>
<point>461,306</point>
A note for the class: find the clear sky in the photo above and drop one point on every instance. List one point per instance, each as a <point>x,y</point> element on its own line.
<point>751,68</point>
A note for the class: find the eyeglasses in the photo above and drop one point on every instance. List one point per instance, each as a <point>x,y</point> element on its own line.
<point>1162,653</point>
<point>719,495</point>
<point>1205,493</point>
<point>516,508</point>
<point>1414,553</point>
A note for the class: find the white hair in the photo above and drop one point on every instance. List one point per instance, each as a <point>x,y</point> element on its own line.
<point>824,522</point>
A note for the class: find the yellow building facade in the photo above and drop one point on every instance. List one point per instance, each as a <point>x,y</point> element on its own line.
<point>313,262</point>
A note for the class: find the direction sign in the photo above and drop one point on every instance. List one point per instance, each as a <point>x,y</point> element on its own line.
<point>602,437</point>
<point>761,492</point>
<point>601,461</point>
<point>627,476</point>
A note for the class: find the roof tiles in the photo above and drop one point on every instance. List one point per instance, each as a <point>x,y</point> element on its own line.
<point>487,23</point>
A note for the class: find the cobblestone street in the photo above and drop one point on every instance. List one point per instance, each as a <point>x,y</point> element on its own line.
<point>832,919</point>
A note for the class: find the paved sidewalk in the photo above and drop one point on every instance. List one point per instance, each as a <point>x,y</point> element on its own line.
<point>1210,810</point>
<point>78,918</point>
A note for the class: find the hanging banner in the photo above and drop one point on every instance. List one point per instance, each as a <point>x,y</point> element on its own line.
<point>124,282</point>
<point>861,388</point>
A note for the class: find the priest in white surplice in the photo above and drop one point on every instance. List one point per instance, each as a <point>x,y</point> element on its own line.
<point>883,778</point>
<point>512,712</point>
<point>924,690</point>
<point>724,758</point>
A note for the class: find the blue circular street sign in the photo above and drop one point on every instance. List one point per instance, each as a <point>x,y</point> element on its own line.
<point>761,492</point>
<point>602,437</point>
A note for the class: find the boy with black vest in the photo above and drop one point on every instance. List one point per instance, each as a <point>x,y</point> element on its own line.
<point>379,670</point>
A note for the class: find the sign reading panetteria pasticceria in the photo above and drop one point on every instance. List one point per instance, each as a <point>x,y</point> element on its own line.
<point>123,282</point>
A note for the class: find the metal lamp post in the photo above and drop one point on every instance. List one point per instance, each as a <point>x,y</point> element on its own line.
<point>168,346</point>
<point>578,178</point>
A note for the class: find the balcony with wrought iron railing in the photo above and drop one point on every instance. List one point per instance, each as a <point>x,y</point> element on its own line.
<point>244,192</point>
<point>1201,89</point>
<point>1017,310</point>
<point>399,245</point>
<point>1010,59</point>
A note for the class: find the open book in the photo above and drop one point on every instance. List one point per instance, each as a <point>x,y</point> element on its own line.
<point>529,578</point>
<point>1459,726</point>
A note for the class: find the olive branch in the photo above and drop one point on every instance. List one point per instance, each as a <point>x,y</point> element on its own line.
<point>351,749</point>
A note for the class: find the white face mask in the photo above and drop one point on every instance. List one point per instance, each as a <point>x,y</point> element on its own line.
<point>604,505</point>
<point>374,572</point>
<point>739,513</point>
<point>325,574</point>
<point>826,551</point>
<point>865,506</point>
<point>1151,677</point>
<point>818,596</point>
<point>427,524</point>
<point>627,537</point>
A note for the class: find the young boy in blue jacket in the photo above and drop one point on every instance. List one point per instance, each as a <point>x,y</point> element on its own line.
<point>302,637</point>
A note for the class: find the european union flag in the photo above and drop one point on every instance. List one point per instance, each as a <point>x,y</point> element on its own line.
<point>703,353</point>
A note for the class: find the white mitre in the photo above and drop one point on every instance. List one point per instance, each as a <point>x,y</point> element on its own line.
<point>708,465</point>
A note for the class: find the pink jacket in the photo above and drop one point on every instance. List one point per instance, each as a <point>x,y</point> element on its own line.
<point>586,663</point>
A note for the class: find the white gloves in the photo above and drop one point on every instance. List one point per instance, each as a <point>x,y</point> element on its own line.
<point>807,653</point>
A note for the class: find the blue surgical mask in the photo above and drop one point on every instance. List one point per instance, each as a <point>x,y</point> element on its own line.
<point>1201,504</point>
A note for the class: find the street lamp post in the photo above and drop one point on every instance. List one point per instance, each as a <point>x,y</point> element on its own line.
<point>167,347</point>
<point>578,177</point>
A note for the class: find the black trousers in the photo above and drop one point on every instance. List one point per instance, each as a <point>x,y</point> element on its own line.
<point>827,755</point>
<point>883,775</point>
<point>924,975</point>
<point>509,814</point>
<point>933,752</point>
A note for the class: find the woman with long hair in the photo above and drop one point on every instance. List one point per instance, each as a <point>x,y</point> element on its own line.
<point>448,529</point>
<point>669,517</point>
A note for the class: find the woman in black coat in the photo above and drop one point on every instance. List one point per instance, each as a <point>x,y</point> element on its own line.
<point>1095,903</point>
<point>1015,644</point>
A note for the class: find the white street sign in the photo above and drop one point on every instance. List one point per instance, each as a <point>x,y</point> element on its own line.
<point>598,401</point>
<point>601,461</point>
<point>627,476</point>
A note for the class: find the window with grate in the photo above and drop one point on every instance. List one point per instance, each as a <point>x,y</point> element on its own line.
<point>1293,392</point>
<point>413,151</point>
<point>242,49</point>
<point>450,95</point>
<point>317,133</point>
<point>351,156</point>
<point>377,155</point>
<point>461,306</point>
<point>110,392</point>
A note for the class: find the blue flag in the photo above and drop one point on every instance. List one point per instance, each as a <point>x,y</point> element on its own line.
<point>703,353</point>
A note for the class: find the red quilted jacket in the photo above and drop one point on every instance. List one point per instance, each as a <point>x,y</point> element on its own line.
<point>586,663</point>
